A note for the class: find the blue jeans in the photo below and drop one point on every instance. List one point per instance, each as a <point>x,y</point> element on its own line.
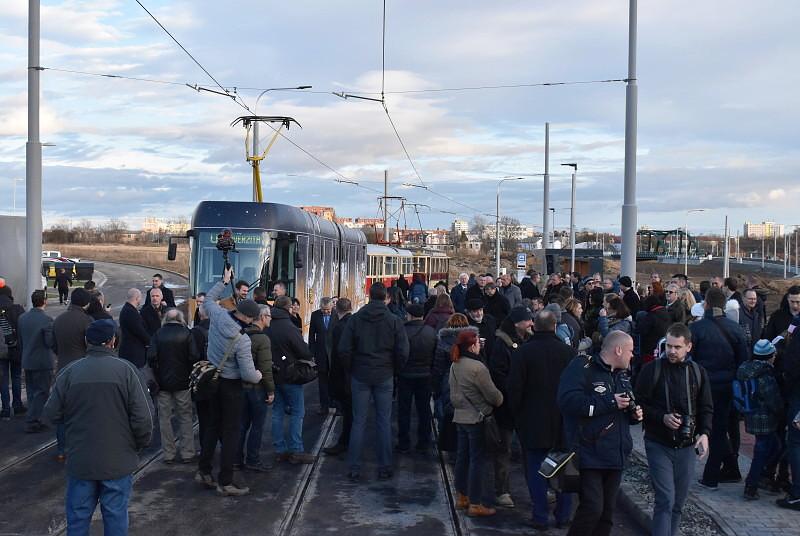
<point>288,396</point>
<point>37,384</point>
<point>10,370</point>
<point>82,499</point>
<point>381,393</point>
<point>765,452</point>
<point>471,475</point>
<point>254,411</point>
<point>793,445</point>
<point>537,487</point>
<point>418,389</point>
<point>671,471</point>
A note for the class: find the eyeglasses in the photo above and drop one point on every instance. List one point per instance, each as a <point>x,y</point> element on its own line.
<point>671,292</point>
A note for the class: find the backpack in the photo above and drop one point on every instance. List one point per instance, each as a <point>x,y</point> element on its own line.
<point>419,293</point>
<point>8,335</point>
<point>746,399</point>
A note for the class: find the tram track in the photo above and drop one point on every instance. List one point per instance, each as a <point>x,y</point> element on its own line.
<point>296,505</point>
<point>25,458</point>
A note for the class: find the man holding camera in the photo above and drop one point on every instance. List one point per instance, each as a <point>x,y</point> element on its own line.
<point>676,397</point>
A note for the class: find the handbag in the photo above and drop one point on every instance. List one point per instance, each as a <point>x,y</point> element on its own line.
<point>204,378</point>
<point>300,371</point>
<point>495,440</point>
<point>560,468</point>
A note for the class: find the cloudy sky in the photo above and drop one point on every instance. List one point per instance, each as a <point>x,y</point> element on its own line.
<point>718,126</point>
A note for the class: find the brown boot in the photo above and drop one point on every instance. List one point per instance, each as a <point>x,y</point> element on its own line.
<point>479,510</point>
<point>462,502</point>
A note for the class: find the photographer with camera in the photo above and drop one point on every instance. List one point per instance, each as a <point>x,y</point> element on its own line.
<point>676,396</point>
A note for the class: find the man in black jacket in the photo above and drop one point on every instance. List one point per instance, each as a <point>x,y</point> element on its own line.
<point>171,354</point>
<point>166,293</point>
<point>320,330</point>
<point>134,336</point>
<point>153,312</point>
<point>495,303</point>
<point>10,369</point>
<point>414,381</point>
<point>486,324</point>
<point>675,395</point>
<point>375,345</point>
<point>62,283</point>
<point>532,391</point>
<point>340,378</point>
<point>719,346</point>
<point>751,318</point>
<point>287,346</point>
<point>629,295</point>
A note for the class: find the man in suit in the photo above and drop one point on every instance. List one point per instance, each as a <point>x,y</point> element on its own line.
<point>135,338</point>
<point>320,332</point>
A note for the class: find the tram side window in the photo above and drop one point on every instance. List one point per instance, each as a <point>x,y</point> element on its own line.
<point>408,265</point>
<point>391,265</point>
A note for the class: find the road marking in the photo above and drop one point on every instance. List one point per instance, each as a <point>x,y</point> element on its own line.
<point>104,280</point>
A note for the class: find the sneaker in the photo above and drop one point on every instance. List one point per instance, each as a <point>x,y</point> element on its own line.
<point>504,500</point>
<point>5,415</point>
<point>479,510</point>
<point>789,502</point>
<point>258,467</point>
<point>462,501</point>
<point>297,458</point>
<point>232,490</point>
<point>205,479</point>
<point>751,493</point>
<point>708,485</point>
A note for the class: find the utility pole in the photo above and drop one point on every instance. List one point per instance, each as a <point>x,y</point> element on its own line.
<point>629,209</point>
<point>386,205</point>
<point>726,268</point>
<point>547,242</point>
<point>574,167</point>
<point>497,224</point>
<point>33,159</point>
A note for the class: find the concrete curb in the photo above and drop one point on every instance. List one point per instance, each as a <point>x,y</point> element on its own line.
<point>637,509</point>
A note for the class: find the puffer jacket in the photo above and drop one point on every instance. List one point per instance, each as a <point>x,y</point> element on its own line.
<point>171,354</point>
<point>764,419</point>
<point>611,323</point>
<point>261,349</point>
<point>440,386</point>
<point>438,317</point>
<point>222,331</point>
<point>422,345</point>
<point>472,391</point>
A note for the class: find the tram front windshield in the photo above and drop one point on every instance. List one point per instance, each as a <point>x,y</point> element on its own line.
<point>207,263</point>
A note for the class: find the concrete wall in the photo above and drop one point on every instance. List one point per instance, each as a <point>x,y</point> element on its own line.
<point>12,255</point>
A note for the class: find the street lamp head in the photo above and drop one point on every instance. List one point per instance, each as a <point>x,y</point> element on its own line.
<point>573,165</point>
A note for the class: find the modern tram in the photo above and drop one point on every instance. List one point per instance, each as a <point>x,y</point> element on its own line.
<point>312,256</point>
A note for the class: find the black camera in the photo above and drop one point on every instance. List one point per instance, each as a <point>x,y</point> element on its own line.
<point>633,406</point>
<point>226,244</point>
<point>685,432</point>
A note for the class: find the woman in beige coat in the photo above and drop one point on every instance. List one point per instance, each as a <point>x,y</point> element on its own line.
<point>473,396</point>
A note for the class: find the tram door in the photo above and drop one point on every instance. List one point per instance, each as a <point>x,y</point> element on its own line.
<point>284,259</point>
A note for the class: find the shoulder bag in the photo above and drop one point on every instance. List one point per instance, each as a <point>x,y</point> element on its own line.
<point>495,442</point>
<point>204,378</point>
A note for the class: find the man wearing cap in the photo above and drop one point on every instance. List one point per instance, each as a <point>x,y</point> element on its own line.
<point>629,295</point>
<point>486,324</point>
<point>763,421</point>
<point>513,332</point>
<point>226,340</point>
<point>107,417</point>
<point>495,303</point>
<point>414,381</point>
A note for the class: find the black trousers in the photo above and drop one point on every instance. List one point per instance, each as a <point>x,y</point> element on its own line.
<point>63,292</point>
<point>224,425</point>
<point>323,382</point>
<point>598,496</point>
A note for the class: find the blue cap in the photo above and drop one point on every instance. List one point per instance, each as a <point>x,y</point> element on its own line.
<point>763,349</point>
<point>101,331</point>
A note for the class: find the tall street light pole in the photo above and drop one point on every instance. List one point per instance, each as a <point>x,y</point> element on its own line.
<point>33,158</point>
<point>497,224</point>
<point>629,209</point>
<point>574,167</point>
<point>686,236</point>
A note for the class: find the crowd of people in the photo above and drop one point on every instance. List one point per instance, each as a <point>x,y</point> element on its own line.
<point>503,369</point>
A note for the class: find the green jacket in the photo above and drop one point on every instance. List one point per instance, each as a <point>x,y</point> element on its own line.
<point>261,348</point>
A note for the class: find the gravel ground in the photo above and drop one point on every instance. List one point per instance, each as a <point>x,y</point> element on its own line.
<point>695,521</point>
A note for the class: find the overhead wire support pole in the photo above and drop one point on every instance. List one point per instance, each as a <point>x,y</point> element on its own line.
<point>33,158</point>
<point>574,167</point>
<point>546,242</point>
<point>497,224</point>
<point>629,209</point>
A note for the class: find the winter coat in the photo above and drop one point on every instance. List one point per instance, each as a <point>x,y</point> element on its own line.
<point>224,328</point>
<point>632,300</point>
<point>261,348</point>
<point>440,372</point>
<point>69,334</point>
<point>764,419</point>
<point>134,337</point>
<point>63,281</point>
<point>438,317</point>
<point>339,375</point>
<point>171,354</point>
<point>374,343</point>
<point>711,348</point>
<point>200,336</point>
<point>287,344</point>
<point>152,318</point>
<point>778,323</point>
<point>35,335</point>
<point>472,392</point>
<point>752,324</point>
<point>9,316</point>
<point>592,422</point>
<point>653,399</point>
<point>497,306</point>
<point>678,312</point>
<point>422,345</point>
<point>528,289</point>
<point>511,293</point>
<point>575,328</point>
<point>475,292</point>
<point>106,412</point>
<point>486,330</point>
<point>418,292</point>
<point>167,297</point>
<point>652,327</point>
<point>506,343</point>
<point>532,390</point>
<point>458,294</point>
<point>612,323</point>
